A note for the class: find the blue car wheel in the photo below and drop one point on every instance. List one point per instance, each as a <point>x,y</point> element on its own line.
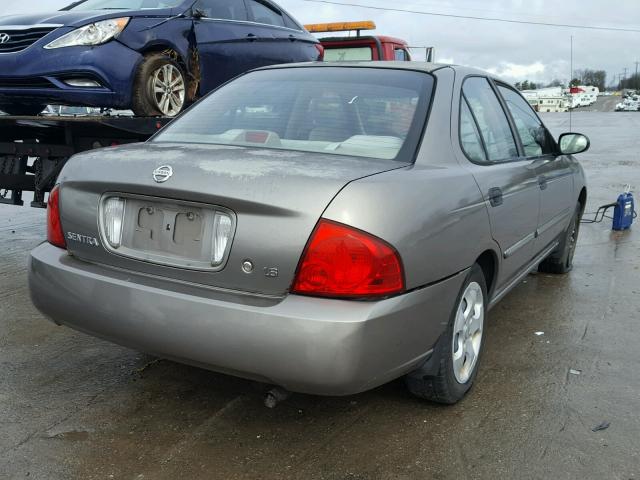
<point>160,87</point>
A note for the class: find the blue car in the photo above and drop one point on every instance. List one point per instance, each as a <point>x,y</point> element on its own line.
<point>151,56</point>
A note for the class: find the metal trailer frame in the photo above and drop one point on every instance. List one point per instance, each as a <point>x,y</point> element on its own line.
<point>33,150</point>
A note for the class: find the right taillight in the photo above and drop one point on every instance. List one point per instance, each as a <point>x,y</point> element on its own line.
<point>344,262</point>
<point>55,235</point>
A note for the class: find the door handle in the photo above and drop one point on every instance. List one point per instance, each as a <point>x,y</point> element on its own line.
<point>292,38</point>
<point>542,182</point>
<point>495,197</point>
<point>251,37</point>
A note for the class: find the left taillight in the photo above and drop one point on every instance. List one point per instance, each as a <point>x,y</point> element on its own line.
<point>343,262</point>
<point>55,235</point>
<point>320,49</point>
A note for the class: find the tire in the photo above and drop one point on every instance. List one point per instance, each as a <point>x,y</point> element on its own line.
<point>451,375</point>
<point>159,88</point>
<point>561,260</point>
<point>23,110</point>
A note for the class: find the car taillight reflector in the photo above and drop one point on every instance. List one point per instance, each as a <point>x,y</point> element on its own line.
<point>113,219</point>
<point>55,235</point>
<point>344,262</point>
<point>221,235</point>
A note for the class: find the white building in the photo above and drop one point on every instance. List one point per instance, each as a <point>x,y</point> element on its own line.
<point>547,99</point>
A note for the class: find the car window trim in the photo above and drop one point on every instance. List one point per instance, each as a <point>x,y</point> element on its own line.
<point>555,154</point>
<point>250,22</point>
<point>516,140</point>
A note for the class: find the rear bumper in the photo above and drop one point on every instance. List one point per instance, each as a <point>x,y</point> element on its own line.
<point>310,345</point>
<point>35,75</point>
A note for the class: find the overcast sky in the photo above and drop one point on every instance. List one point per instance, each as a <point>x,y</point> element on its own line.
<point>516,52</point>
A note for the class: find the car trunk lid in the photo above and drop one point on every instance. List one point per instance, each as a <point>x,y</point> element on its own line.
<point>273,197</point>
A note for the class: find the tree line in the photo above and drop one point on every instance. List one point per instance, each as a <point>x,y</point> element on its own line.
<point>632,82</point>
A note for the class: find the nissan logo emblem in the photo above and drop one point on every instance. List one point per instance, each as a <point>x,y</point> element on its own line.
<point>162,174</point>
<point>4,38</point>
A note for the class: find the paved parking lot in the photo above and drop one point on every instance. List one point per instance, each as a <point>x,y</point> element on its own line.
<point>73,407</point>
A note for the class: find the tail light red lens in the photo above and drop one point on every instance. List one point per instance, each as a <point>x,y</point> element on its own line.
<point>320,49</point>
<point>344,262</point>
<point>55,235</point>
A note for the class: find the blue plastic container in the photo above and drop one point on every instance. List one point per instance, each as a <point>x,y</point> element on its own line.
<point>624,212</point>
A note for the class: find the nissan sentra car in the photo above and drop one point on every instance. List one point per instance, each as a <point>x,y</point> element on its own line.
<point>322,228</point>
<point>151,56</point>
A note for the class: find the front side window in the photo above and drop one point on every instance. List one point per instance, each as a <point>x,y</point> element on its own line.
<point>361,112</point>
<point>222,9</point>
<point>492,121</point>
<point>262,13</point>
<point>124,4</point>
<point>536,139</point>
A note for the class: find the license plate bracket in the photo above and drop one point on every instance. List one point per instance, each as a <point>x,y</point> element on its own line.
<point>171,233</point>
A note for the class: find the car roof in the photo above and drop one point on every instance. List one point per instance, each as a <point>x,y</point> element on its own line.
<point>392,65</point>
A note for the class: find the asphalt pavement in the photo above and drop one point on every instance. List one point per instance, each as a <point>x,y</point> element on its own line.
<point>561,360</point>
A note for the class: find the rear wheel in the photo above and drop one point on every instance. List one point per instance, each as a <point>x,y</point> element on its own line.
<point>561,260</point>
<point>160,87</point>
<point>457,354</point>
<point>26,110</point>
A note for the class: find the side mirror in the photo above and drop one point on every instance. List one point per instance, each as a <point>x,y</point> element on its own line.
<point>573,143</point>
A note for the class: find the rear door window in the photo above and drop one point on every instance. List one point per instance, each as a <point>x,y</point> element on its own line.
<point>222,9</point>
<point>470,136</point>
<point>536,139</point>
<point>290,22</point>
<point>264,13</point>
<point>491,119</point>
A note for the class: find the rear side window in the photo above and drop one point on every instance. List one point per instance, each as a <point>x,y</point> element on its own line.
<point>492,121</point>
<point>262,13</point>
<point>536,140</point>
<point>290,22</point>
<point>222,9</point>
<point>470,136</point>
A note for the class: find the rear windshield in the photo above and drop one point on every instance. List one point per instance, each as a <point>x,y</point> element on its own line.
<point>364,112</point>
<point>348,54</point>
<point>123,4</point>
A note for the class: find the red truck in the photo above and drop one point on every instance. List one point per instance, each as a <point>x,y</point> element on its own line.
<point>358,48</point>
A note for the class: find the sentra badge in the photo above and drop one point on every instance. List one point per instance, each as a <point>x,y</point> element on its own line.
<point>84,239</point>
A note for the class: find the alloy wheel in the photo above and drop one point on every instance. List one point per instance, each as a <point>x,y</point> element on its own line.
<point>467,332</point>
<point>167,89</point>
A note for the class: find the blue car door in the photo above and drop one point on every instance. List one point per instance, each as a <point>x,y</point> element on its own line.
<point>225,41</point>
